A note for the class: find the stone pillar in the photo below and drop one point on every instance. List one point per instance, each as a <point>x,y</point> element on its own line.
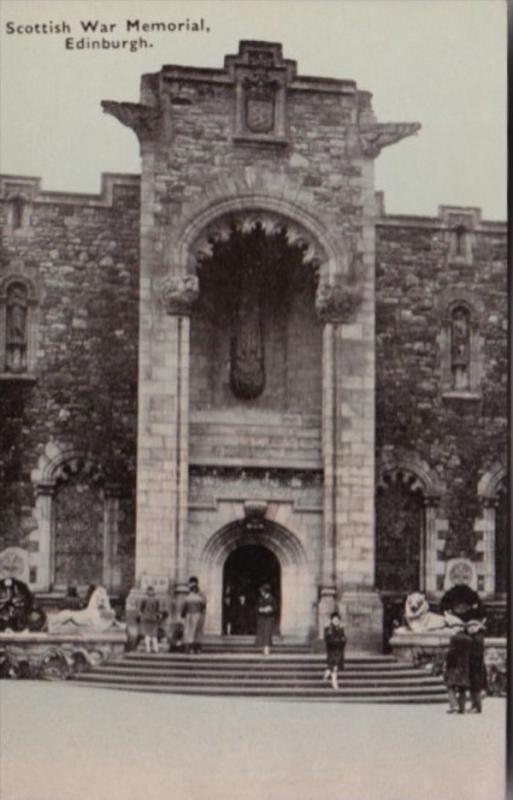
<point>328,590</point>
<point>348,562</point>
<point>43,513</point>
<point>163,435</point>
<point>111,570</point>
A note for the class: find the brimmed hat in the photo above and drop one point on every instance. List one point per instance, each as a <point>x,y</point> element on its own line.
<point>476,624</point>
<point>265,588</point>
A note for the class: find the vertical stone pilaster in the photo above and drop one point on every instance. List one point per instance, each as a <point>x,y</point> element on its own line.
<point>327,599</point>
<point>163,433</point>
<point>43,513</point>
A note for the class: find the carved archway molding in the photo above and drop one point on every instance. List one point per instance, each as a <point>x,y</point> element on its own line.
<point>414,470</point>
<point>339,290</point>
<point>297,590</point>
<point>489,485</point>
<point>408,467</point>
<point>273,213</point>
<point>279,540</point>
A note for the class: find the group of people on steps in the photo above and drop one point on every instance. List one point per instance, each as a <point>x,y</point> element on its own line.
<point>464,666</point>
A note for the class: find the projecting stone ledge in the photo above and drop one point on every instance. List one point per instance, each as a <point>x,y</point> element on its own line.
<point>374,138</point>
<point>143,120</point>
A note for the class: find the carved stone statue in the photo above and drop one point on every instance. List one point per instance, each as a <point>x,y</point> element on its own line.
<point>17,334</point>
<point>98,617</point>
<point>247,370</point>
<point>17,612</point>
<point>460,348</point>
<point>419,619</point>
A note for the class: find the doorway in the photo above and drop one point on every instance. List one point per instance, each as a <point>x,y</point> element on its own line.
<point>245,570</point>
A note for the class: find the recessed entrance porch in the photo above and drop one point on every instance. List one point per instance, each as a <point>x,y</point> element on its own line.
<point>243,559</point>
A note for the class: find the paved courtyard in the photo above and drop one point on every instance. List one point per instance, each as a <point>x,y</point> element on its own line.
<point>61,742</point>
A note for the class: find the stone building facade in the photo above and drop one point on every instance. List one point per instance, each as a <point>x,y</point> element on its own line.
<point>238,366</point>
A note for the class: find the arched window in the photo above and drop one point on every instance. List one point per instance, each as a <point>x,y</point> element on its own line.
<point>400,534</point>
<point>79,528</point>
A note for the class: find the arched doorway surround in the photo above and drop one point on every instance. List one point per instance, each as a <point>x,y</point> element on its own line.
<point>298,586</point>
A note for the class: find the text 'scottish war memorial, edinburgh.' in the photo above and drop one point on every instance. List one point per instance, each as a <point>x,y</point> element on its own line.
<point>237,366</point>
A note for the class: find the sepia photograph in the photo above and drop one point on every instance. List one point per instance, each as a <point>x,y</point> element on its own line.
<point>255,540</point>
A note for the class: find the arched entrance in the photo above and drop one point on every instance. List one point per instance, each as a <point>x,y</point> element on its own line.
<point>245,570</point>
<point>271,554</point>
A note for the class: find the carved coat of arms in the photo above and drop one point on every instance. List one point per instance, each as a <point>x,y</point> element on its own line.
<point>260,104</point>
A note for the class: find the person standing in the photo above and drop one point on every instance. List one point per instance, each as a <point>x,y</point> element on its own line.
<point>193,613</point>
<point>266,613</point>
<point>457,677</point>
<point>477,669</point>
<point>335,640</point>
<point>149,611</point>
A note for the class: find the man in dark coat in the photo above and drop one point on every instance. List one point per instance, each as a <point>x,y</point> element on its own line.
<point>477,668</point>
<point>266,613</point>
<point>335,640</point>
<point>457,674</point>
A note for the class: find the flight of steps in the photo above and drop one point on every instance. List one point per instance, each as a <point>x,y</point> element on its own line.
<point>289,672</point>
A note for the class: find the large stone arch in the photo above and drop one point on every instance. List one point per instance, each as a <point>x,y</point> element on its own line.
<point>252,191</point>
<point>332,257</point>
<point>298,593</point>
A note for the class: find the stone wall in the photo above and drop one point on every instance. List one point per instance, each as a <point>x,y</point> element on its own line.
<point>456,436</point>
<point>80,254</point>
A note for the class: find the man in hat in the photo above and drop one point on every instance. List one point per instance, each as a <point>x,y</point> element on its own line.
<point>266,612</point>
<point>193,613</point>
<point>335,640</point>
<point>457,676</point>
<point>150,618</point>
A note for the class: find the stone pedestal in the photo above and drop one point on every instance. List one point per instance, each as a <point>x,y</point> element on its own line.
<point>362,617</point>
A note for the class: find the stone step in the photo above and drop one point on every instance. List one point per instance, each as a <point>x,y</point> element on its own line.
<point>257,657</point>
<point>256,681</point>
<point>264,671</point>
<point>366,677</point>
<point>265,691</point>
<point>328,697</point>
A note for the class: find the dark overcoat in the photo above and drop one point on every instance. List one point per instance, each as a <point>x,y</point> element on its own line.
<point>266,612</point>
<point>477,668</point>
<point>457,672</point>
<point>335,639</point>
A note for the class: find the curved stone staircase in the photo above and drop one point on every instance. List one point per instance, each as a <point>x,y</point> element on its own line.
<point>291,672</point>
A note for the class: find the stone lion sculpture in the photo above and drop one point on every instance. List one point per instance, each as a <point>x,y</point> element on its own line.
<point>419,619</point>
<point>98,617</point>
